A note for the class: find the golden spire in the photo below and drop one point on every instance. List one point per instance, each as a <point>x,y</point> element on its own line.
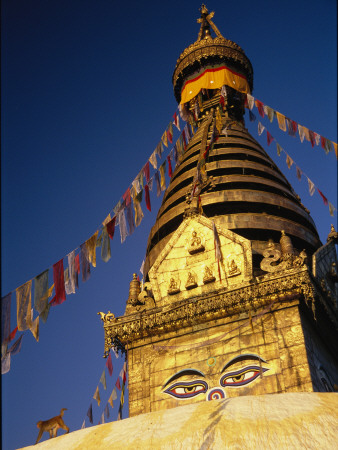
<point>206,22</point>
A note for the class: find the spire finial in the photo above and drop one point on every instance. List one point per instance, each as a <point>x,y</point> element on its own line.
<point>206,22</point>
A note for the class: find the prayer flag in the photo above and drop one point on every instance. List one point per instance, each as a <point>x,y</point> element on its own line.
<point>323,197</point>
<point>279,149</point>
<point>260,107</point>
<point>219,125</point>
<point>90,414</point>
<point>84,262</point>
<point>12,335</point>
<point>106,410</point>
<point>16,347</point>
<point>91,248</point>
<point>269,112</point>
<point>328,146</point>
<point>113,396</point>
<point>150,184</point>
<point>164,138</point>
<point>111,227</point>
<point>147,197</point>
<point>23,305</point>
<point>5,317</point>
<point>317,138</point>
<point>269,137</point>
<point>183,112</point>
<point>281,121</point>
<point>83,424</point>
<point>5,363</point>
<point>158,185</point>
<point>41,295</point>
<point>96,396</point>
<point>159,149</point>
<point>142,268</point>
<point>335,148</point>
<point>127,200</point>
<point>162,173</point>
<point>170,171</point>
<point>176,121</point>
<point>252,116</point>
<point>70,287</point>
<point>106,220</point>
<point>146,171</point>
<point>261,128</point>
<point>170,132</point>
<point>105,245</point>
<point>103,380</point>
<point>175,154</point>
<point>292,127</point>
<point>122,224</point>
<point>77,270</point>
<point>184,139</point>
<point>35,327</point>
<point>118,384</point>
<point>109,365</point>
<point>301,133</point>
<point>251,101</point>
<point>311,187</point>
<point>298,172</point>
<point>331,209</point>
<point>289,161</point>
<point>312,138</point>
<point>137,208</point>
<point>102,418</point>
<point>153,160</point>
<point>187,133</point>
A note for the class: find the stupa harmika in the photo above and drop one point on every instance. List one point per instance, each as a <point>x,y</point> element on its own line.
<point>258,318</point>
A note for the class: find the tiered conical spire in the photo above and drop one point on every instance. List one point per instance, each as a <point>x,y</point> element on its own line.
<point>242,188</point>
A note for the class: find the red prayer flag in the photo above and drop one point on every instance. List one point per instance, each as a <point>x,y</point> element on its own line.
<point>77,264</point>
<point>109,365</point>
<point>111,227</point>
<point>260,107</point>
<point>12,334</point>
<point>124,377</point>
<point>323,141</point>
<point>269,137</point>
<point>170,170</point>
<point>147,197</point>
<point>146,172</point>
<point>312,138</point>
<point>118,384</point>
<point>184,140</point>
<point>170,134</point>
<point>323,197</point>
<point>59,283</point>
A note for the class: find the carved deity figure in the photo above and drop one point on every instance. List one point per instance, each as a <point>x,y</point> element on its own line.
<point>233,268</point>
<point>191,281</point>
<point>173,287</point>
<point>195,244</point>
<point>208,276</point>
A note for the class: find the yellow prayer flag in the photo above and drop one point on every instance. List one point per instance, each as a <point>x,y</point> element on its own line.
<point>335,149</point>
<point>35,328</point>
<point>163,186</point>
<point>106,220</point>
<point>91,248</point>
<point>96,396</point>
<point>23,306</point>
<point>281,121</point>
<point>164,139</point>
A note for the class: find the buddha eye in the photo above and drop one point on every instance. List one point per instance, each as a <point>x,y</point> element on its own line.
<point>242,377</point>
<point>187,389</point>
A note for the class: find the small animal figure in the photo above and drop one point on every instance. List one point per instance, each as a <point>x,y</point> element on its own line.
<point>52,425</point>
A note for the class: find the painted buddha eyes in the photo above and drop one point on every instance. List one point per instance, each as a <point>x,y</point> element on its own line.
<point>187,389</point>
<point>242,377</point>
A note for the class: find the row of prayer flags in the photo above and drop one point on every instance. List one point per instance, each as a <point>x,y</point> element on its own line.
<point>299,172</point>
<point>289,125</point>
<point>113,395</point>
<point>66,280</point>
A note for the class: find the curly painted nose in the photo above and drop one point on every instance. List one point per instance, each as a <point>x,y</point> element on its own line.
<point>216,394</point>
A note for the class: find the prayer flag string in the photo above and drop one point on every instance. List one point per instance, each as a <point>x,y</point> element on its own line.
<point>84,256</point>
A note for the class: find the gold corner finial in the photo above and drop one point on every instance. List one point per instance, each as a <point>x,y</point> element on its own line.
<point>206,23</point>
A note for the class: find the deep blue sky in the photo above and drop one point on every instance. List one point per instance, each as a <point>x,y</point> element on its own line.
<point>86,96</point>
